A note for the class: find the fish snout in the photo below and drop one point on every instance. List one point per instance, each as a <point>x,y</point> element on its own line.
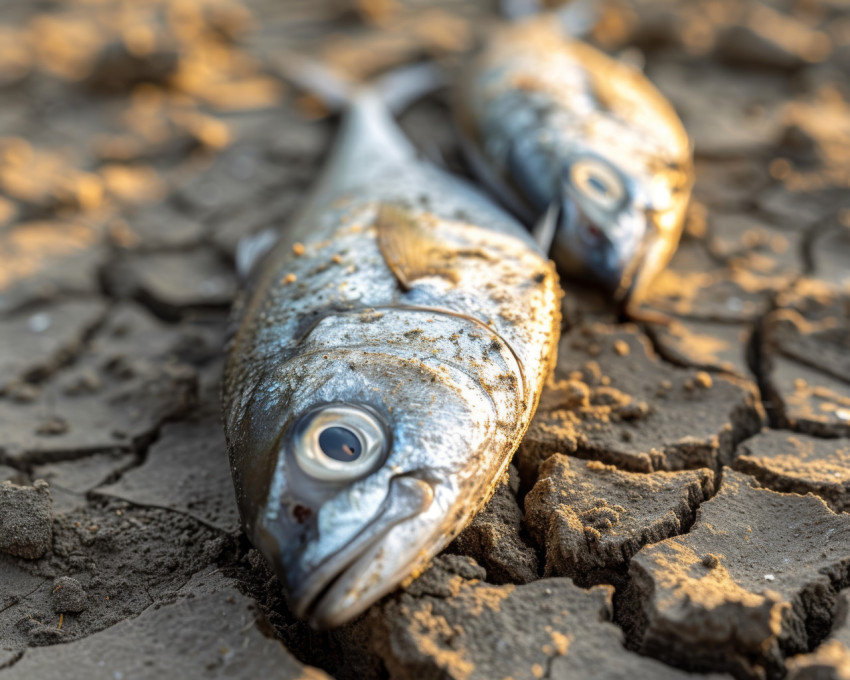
<point>603,248</point>
<point>384,551</point>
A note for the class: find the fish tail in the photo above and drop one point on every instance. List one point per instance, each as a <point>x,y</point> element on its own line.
<point>333,89</point>
<point>401,87</point>
<point>576,19</point>
<point>396,89</point>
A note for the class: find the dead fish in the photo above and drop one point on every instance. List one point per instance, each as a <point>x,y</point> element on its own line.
<point>389,356</point>
<point>584,146</point>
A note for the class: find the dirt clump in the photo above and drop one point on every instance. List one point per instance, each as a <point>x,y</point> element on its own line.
<point>69,596</point>
<point>592,518</point>
<point>26,519</point>
<point>634,411</point>
<point>493,537</point>
<point>798,463</point>
<point>752,581</point>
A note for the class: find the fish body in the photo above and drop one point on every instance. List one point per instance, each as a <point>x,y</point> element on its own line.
<point>556,125</point>
<point>388,356</point>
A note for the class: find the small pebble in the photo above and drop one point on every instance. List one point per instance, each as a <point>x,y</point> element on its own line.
<point>704,380</point>
<point>53,426</point>
<point>621,347</point>
<point>710,561</point>
<point>38,323</point>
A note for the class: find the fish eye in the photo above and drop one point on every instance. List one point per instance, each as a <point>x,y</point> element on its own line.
<point>598,181</point>
<point>339,442</point>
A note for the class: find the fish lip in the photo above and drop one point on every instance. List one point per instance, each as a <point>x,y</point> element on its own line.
<point>310,599</point>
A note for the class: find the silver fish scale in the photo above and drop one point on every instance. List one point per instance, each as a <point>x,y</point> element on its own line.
<point>342,269</point>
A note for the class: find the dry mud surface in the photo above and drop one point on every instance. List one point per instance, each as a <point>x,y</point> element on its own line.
<point>677,507</point>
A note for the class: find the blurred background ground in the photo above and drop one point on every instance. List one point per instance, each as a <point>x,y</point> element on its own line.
<point>139,141</point>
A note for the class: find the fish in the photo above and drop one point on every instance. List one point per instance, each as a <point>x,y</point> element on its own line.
<point>581,146</point>
<point>387,356</point>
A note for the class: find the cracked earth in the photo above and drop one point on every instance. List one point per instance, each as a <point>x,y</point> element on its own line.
<point>677,508</point>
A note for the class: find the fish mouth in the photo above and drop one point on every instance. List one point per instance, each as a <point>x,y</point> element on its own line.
<point>344,585</point>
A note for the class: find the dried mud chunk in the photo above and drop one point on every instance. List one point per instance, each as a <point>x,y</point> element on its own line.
<point>756,244</point>
<point>44,259</point>
<point>159,226</point>
<point>805,361</point>
<point>813,327</point>
<point>174,283</point>
<point>634,411</point>
<point>796,463</point>
<point>727,114</point>
<point>807,400</point>
<point>755,578</point>
<point>704,344</point>
<point>831,660</point>
<point>33,343</point>
<point>239,178</point>
<point>46,179</point>
<point>211,628</point>
<point>592,518</point>
<point>456,626</point>
<point>26,519</point>
<point>766,37</point>
<point>71,480</point>
<point>117,70</point>
<point>729,184</point>
<point>493,538</point>
<point>831,254</point>
<point>116,394</point>
<point>185,470</point>
<point>83,475</point>
<point>695,286</point>
<point>229,230</point>
<point>797,209</point>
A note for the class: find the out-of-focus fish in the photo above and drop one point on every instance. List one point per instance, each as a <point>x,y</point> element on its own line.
<point>389,356</point>
<point>583,141</point>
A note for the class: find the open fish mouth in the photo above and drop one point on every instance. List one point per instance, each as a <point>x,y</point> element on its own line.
<point>346,583</point>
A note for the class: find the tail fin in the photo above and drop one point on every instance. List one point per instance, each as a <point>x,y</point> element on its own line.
<point>577,17</point>
<point>396,89</point>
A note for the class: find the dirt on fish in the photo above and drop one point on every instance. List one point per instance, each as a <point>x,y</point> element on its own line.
<point>676,508</point>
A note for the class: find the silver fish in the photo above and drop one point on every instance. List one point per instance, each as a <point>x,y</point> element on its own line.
<point>583,141</point>
<point>388,359</point>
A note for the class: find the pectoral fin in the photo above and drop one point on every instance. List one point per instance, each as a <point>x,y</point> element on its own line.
<point>411,249</point>
<point>544,229</point>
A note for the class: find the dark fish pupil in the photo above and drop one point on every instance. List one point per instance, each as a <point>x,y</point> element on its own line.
<point>598,184</point>
<point>340,443</point>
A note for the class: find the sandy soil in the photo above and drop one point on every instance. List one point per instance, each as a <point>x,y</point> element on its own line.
<point>677,505</point>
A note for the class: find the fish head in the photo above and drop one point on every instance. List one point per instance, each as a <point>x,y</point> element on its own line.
<point>601,227</point>
<point>379,463</point>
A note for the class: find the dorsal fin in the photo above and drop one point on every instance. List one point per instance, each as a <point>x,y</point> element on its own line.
<point>410,248</point>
